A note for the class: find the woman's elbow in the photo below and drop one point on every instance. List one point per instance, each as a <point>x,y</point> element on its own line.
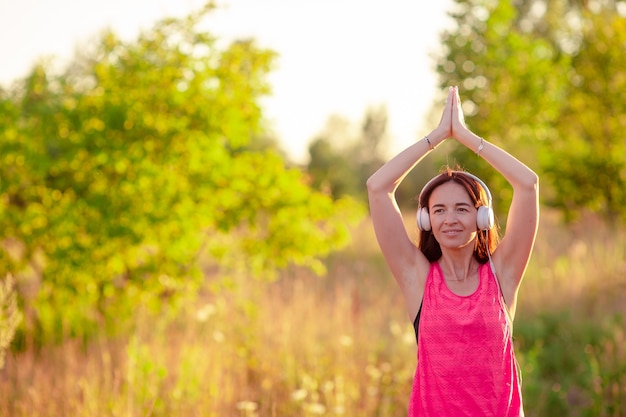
<point>533,181</point>
<point>530,181</point>
<point>373,184</point>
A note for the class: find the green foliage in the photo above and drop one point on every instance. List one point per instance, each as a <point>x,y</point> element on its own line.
<point>592,123</point>
<point>570,362</point>
<point>539,78</point>
<point>135,168</point>
<point>303,346</point>
<point>508,81</point>
<point>330,169</point>
<point>342,158</point>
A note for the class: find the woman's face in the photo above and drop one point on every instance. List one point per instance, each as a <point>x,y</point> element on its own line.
<point>452,216</point>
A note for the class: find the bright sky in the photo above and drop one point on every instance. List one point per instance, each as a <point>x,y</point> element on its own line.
<point>335,56</point>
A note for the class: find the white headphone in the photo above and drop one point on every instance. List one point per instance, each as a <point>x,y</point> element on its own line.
<point>484,218</point>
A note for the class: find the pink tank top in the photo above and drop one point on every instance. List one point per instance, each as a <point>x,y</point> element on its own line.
<point>466,362</point>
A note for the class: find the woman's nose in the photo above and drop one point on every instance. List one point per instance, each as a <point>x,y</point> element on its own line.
<point>450,217</point>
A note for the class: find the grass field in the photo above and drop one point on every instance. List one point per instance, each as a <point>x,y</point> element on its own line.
<point>340,345</point>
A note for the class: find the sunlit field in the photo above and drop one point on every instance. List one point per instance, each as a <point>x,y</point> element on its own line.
<point>339,345</point>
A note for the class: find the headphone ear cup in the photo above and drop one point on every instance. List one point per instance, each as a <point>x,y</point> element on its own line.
<point>423,219</point>
<point>484,218</point>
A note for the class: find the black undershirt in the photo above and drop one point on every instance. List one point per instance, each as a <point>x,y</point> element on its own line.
<point>416,322</point>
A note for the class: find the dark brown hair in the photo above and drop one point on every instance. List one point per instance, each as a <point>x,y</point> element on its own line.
<point>486,242</point>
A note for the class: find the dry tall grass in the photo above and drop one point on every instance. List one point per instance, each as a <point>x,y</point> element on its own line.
<point>341,345</point>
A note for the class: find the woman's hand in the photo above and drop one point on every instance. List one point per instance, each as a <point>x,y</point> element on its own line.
<point>445,124</point>
<point>458,118</point>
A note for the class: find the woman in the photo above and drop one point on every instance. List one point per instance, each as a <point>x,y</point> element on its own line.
<point>460,284</point>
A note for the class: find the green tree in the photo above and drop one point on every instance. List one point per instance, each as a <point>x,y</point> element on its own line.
<point>509,82</point>
<point>520,66</point>
<point>588,163</point>
<point>330,166</point>
<point>342,157</point>
<point>133,169</point>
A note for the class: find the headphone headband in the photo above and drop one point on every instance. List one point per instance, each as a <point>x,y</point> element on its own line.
<point>472,176</point>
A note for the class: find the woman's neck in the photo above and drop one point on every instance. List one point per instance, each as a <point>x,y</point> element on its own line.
<point>459,265</point>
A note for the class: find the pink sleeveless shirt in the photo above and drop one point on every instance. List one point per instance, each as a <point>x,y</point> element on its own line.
<point>466,362</point>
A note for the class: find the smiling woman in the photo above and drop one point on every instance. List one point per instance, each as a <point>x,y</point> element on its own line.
<point>460,284</point>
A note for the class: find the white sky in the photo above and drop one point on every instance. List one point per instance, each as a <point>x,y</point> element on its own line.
<point>335,56</point>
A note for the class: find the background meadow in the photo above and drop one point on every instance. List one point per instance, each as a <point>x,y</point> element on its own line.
<point>160,254</point>
<point>338,345</point>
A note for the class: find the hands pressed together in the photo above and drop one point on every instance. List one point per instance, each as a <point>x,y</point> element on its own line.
<point>452,122</point>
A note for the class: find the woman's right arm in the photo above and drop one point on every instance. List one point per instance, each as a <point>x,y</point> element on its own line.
<point>406,261</point>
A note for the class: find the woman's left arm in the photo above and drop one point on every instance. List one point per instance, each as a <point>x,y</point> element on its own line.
<point>513,253</point>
